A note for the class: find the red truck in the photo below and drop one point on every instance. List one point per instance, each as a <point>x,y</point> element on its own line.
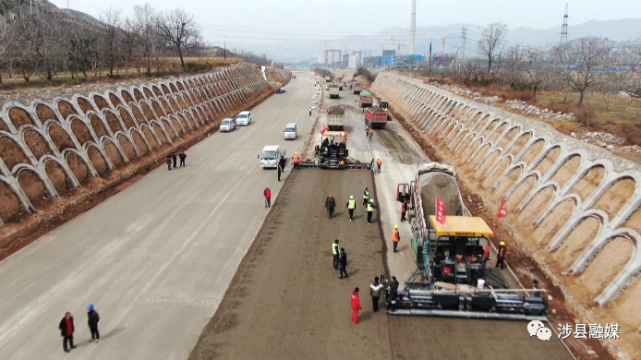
<point>365,99</point>
<point>375,118</point>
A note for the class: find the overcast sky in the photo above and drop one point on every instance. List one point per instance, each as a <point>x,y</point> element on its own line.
<point>253,20</point>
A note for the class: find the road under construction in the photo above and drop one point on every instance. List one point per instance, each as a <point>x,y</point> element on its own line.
<point>192,266</point>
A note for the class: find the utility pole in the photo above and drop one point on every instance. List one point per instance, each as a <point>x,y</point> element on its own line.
<point>412,48</point>
<point>225,48</point>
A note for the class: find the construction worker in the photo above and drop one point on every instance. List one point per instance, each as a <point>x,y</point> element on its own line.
<point>500,258</point>
<point>366,130</point>
<point>330,205</point>
<point>282,163</point>
<point>343,263</point>
<point>396,237</point>
<point>351,205</point>
<point>310,111</point>
<point>403,210</point>
<point>393,294</point>
<point>375,292</point>
<point>182,156</point>
<point>356,305</point>
<point>278,168</point>
<point>169,162</point>
<point>92,321</point>
<point>370,211</point>
<point>336,253</point>
<point>67,329</point>
<point>365,197</point>
<point>174,157</point>
<point>379,162</point>
<point>268,196</point>
<point>296,160</point>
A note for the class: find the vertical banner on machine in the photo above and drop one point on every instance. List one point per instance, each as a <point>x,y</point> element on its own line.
<point>440,211</point>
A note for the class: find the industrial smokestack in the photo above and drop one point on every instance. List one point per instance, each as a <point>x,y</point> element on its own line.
<point>413,30</point>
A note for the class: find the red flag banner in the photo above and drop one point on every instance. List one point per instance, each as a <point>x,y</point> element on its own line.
<point>440,211</point>
<point>325,128</point>
<point>501,212</point>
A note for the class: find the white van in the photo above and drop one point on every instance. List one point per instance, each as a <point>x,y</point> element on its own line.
<point>291,131</point>
<point>244,118</point>
<point>270,156</point>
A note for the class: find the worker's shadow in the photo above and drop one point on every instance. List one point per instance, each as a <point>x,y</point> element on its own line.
<point>366,315</point>
<point>112,332</point>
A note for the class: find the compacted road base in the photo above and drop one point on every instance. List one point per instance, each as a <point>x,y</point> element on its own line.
<point>286,301</point>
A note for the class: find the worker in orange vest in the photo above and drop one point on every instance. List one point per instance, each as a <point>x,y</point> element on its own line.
<point>379,162</point>
<point>296,160</point>
<point>500,259</point>
<point>396,237</point>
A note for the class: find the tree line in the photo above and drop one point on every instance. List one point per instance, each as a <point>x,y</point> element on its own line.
<point>47,42</point>
<point>578,66</point>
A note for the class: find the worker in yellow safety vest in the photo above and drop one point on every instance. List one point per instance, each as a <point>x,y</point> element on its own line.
<point>365,197</point>
<point>370,210</point>
<point>336,252</point>
<point>351,205</point>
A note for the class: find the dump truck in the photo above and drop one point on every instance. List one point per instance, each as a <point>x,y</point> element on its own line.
<point>357,88</point>
<point>333,91</point>
<point>335,118</point>
<point>375,118</point>
<point>451,250</point>
<point>365,99</point>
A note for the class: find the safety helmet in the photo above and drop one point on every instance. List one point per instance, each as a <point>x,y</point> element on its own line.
<point>351,196</point>
<point>371,200</point>
<point>90,307</point>
<point>295,153</point>
<point>502,243</point>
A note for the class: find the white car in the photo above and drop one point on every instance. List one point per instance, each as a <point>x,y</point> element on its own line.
<point>244,118</point>
<point>228,125</point>
<point>270,156</point>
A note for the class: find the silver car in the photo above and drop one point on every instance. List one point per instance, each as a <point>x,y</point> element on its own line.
<point>228,125</point>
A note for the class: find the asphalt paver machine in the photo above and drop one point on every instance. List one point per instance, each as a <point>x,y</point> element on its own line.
<point>452,278</point>
<point>332,153</point>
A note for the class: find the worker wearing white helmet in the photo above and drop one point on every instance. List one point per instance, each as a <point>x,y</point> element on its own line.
<point>370,211</point>
<point>351,205</point>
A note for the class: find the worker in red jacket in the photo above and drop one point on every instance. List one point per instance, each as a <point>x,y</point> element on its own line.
<point>268,196</point>
<point>403,210</point>
<point>356,305</point>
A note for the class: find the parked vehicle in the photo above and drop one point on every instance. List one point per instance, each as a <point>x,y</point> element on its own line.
<point>270,156</point>
<point>228,125</point>
<point>244,118</point>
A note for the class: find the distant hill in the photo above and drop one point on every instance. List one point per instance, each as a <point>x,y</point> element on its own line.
<point>616,30</point>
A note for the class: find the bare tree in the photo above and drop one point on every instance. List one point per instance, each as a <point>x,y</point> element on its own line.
<point>41,42</point>
<point>582,59</point>
<point>145,22</point>
<point>179,29</point>
<point>110,19</point>
<point>491,38</point>
<point>6,43</point>
<point>130,41</point>
<point>538,69</point>
<point>513,66</point>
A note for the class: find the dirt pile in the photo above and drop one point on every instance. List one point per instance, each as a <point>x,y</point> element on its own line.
<point>72,149</point>
<point>560,194</point>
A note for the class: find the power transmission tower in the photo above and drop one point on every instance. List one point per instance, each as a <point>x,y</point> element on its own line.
<point>564,28</point>
<point>463,41</point>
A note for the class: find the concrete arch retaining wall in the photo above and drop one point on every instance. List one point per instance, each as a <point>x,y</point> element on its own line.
<point>201,101</point>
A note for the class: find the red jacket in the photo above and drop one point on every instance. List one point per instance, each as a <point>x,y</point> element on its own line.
<point>356,301</point>
<point>267,193</point>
